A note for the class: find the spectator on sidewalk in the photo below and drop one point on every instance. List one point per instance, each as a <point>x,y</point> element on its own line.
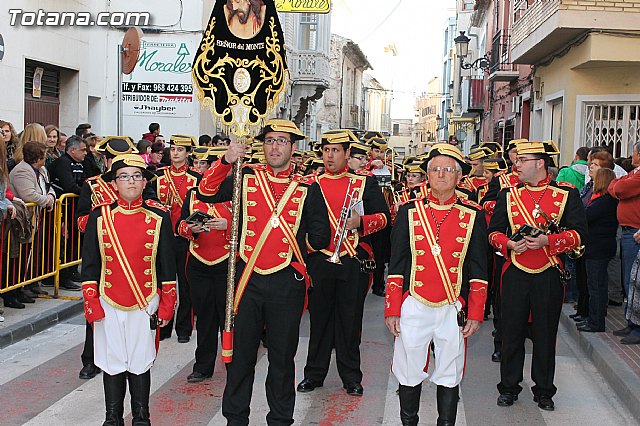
<point>11,142</point>
<point>29,180</point>
<point>619,171</point>
<point>204,140</point>
<point>32,132</point>
<point>575,173</point>
<point>67,172</point>
<point>67,177</point>
<point>93,163</point>
<point>83,130</point>
<point>53,145</point>
<point>154,129</point>
<point>627,190</point>
<point>156,156</point>
<point>633,307</point>
<point>7,211</point>
<point>600,248</point>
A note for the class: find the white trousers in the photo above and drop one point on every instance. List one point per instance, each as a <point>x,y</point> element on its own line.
<point>419,325</point>
<point>123,340</point>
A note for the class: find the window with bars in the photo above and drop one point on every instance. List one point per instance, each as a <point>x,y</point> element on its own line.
<point>616,126</point>
<point>308,39</point>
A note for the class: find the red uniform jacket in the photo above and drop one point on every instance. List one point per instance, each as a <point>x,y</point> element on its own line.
<point>129,258</point>
<point>459,272</point>
<point>172,186</point>
<point>515,207</point>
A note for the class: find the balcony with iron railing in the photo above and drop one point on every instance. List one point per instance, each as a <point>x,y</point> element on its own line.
<point>309,68</point>
<point>542,27</point>
<point>501,67</point>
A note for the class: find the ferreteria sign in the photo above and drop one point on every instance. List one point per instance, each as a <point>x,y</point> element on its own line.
<point>160,85</point>
<point>303,6</point>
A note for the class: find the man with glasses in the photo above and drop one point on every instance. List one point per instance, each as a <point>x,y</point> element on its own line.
<point>437,286</point>
<point>172,186</point>
<point>336,303</point>
<point>282,214</point>
<point>129,287</point>
<point>532,282</point>
<point>358,157</point>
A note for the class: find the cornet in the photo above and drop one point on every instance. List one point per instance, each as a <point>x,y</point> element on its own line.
<point>553,227</point>
<point>350,199</point>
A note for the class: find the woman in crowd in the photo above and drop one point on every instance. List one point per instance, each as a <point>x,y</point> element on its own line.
<point>600,247</point>
<point>156,155</point>
<point>31,132</point>
<point>29,180</point>
<point>597,160</point>
<point>94,163</point>
<point>7,211</point>
<point>53,144</point>
<point>10,140</point>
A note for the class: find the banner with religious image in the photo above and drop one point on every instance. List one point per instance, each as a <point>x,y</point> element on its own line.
<point>240,68</point>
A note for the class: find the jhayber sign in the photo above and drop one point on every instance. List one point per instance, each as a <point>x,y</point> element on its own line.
<point>303,6</point>
<point>160,85</point>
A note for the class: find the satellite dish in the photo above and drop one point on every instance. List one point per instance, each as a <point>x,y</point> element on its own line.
<point>130,49</point>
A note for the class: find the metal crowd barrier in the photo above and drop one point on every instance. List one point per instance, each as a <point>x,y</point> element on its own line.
<point>54,245</point>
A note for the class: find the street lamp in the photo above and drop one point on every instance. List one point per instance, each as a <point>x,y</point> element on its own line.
<point>462,50</point>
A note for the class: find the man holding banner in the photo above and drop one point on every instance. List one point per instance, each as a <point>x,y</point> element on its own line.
<point>282,212</point>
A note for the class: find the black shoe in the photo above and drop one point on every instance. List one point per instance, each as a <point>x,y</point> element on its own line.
<point>572,316</point>
<point>183,339</point>
<point>614,303</point>
<point>589,329</point>
<point>75,277</point>
<point>23,298</point>
<point>544,402</point>
<point>38,290</point>
<point>622,332</point>
<point>27,292</point>
<point>164,336</point>
<point>580,318</point>
<point>307,385</point>
<point>378,292</point>
<point>631,339</point>
<point>89,371</point>
<point>496,356</point>
<point>493,333</point>
<point>354,389</point>
<point>506,399</point>
<point>13,303</point>
<point>582,323</point>
<point>197,377</point>
<point>69,285</point>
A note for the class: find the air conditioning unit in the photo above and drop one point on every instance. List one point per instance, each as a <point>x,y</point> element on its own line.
<point>516,102</point>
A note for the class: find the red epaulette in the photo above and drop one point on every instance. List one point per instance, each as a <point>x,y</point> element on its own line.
<point>162,169</point>
<point>567,184</point>
<point>470,203</point>
<point>155,204</point>
<point>258,166</point>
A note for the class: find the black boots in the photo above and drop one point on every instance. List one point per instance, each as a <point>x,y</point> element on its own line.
<point>409,404</point>
<point>114,390</point>
<point>447,405</point>
<point>139,387</point>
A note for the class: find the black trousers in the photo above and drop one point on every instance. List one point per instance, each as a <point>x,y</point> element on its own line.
<point>583,290</point>
<point>208,285</point>
<point>496,299</point>
<point>274,301</point>
<point>541,296</point>
<point>381,245</point>
<point>336,305</point>
<point>87,350</point>
<point>184,313</point>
